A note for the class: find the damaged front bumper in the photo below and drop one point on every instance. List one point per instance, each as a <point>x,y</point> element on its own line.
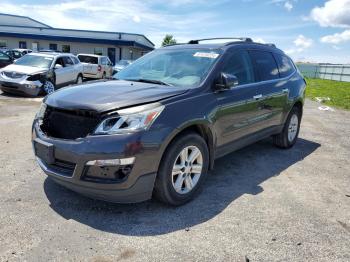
<point>21,87</point>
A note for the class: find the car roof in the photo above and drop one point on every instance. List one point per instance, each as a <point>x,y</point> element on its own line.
<point>225,46</point>
<point>50,54</point>
<point>92,55</point>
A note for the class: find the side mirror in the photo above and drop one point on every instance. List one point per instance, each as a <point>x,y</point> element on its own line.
<point>58,66</point>
<point>226,81</point>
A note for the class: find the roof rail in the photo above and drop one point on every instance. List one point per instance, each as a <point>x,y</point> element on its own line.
<point>271,45</point>
<point>244,39</point>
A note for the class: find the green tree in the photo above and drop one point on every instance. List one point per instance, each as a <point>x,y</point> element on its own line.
<point>168,40</point>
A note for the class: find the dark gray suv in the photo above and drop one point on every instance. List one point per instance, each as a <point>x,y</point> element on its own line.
<point>157,128</point>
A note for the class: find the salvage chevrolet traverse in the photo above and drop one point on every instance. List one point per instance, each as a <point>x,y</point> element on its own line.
<point>158,127</point>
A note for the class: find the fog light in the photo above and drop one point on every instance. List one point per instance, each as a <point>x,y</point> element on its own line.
<point>31,86</point>
<point>111,162</point>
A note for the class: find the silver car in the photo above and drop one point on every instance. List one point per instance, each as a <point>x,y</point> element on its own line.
<point>38,73</point>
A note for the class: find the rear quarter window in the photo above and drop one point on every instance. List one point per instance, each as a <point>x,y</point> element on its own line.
<point>285,65</point>
<point>265,64</point>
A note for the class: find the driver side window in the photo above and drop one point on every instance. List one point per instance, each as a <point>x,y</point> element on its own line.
<point>59,61</point>
<point>240,65</point>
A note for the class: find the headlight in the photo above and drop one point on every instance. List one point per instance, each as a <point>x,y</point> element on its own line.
<point>130,120</point>
<point>36,77</point>
<point>41,112</point>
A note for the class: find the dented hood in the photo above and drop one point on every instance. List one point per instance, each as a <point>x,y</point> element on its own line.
<point>104,96</point>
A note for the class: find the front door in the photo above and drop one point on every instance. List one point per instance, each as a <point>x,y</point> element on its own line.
<point>111,54</point>
<point>62,74</point>
<point>238,107</point>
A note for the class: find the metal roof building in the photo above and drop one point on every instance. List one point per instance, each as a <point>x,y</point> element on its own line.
<point>25,32</point>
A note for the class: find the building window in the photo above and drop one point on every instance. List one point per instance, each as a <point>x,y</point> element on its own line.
<point>98,51</point>
<point>66,48</point>
<point>22,44</point>
<point>53,47</point>
<point>3,43</point>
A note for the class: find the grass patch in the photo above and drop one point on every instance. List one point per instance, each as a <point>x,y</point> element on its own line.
<point>338,92</point>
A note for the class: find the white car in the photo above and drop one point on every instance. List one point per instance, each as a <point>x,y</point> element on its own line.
<point>37,73</point>
<point>120,65</point>
<point>96,66</point>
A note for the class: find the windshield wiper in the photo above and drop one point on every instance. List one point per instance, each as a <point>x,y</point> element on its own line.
<point>152,81</point>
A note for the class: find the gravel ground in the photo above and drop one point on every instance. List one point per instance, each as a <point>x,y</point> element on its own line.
<point>259,204</point>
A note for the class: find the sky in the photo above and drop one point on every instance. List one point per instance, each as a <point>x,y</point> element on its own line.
<point>312,30</point>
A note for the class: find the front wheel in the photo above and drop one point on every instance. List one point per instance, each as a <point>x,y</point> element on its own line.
<point>289,135</point>
<point>49,87</point>
<point>183,169</point>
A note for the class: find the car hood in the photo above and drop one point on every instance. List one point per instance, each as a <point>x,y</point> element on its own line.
<point>28,70</point>
<point>104,96</point>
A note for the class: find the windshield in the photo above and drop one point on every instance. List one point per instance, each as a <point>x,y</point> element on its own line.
<point>35,61</point>
<point>186,67</point>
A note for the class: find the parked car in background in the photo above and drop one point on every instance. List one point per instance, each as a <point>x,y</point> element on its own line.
<point>38,73</point>
<point>96,66</point>
<point>121,64</point>
<point>49,51</point>
<point>24,51</point>
<point>14,54</point>
<point>5,59</point>
<point>157,130</point>
<point>17,53</point>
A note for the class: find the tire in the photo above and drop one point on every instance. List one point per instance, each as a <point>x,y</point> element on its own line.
<point>104,76</point>
<point>173,184</point>
<point>79,80</point>
<point>289,135</point>
<point>49,87</point>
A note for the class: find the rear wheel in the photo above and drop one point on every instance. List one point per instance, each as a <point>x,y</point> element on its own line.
<point>290,132</point>
<point>182,170</point>
<point>79,79</point>
<point>49,87</point>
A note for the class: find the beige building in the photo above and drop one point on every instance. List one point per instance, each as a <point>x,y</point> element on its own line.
<point>24,32</point>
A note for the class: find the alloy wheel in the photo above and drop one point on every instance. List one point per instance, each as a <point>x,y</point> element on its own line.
<point>187,169</point>
<point>293,127</point>
<point>49,87</point>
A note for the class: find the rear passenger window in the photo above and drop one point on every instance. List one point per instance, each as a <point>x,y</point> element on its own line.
<point>266,65</point>
<point>285,65</point>
<point>240,65</point>
<point>67,61</point>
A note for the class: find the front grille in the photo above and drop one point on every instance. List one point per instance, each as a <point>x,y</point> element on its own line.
<point>13,75</point>
<point>69,124</point>
<point>63,168</point>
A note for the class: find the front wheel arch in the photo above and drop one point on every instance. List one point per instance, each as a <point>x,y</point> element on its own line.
<point>201,128</point>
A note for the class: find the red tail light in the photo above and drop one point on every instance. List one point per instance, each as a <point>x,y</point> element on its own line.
<point>99,68</point>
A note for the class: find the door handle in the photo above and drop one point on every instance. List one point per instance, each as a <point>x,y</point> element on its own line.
<point>285,90</point>
<point>257,97</point>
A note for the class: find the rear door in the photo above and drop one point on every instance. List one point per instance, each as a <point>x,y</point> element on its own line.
<point>238,108</point>
<point>272,94</point>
